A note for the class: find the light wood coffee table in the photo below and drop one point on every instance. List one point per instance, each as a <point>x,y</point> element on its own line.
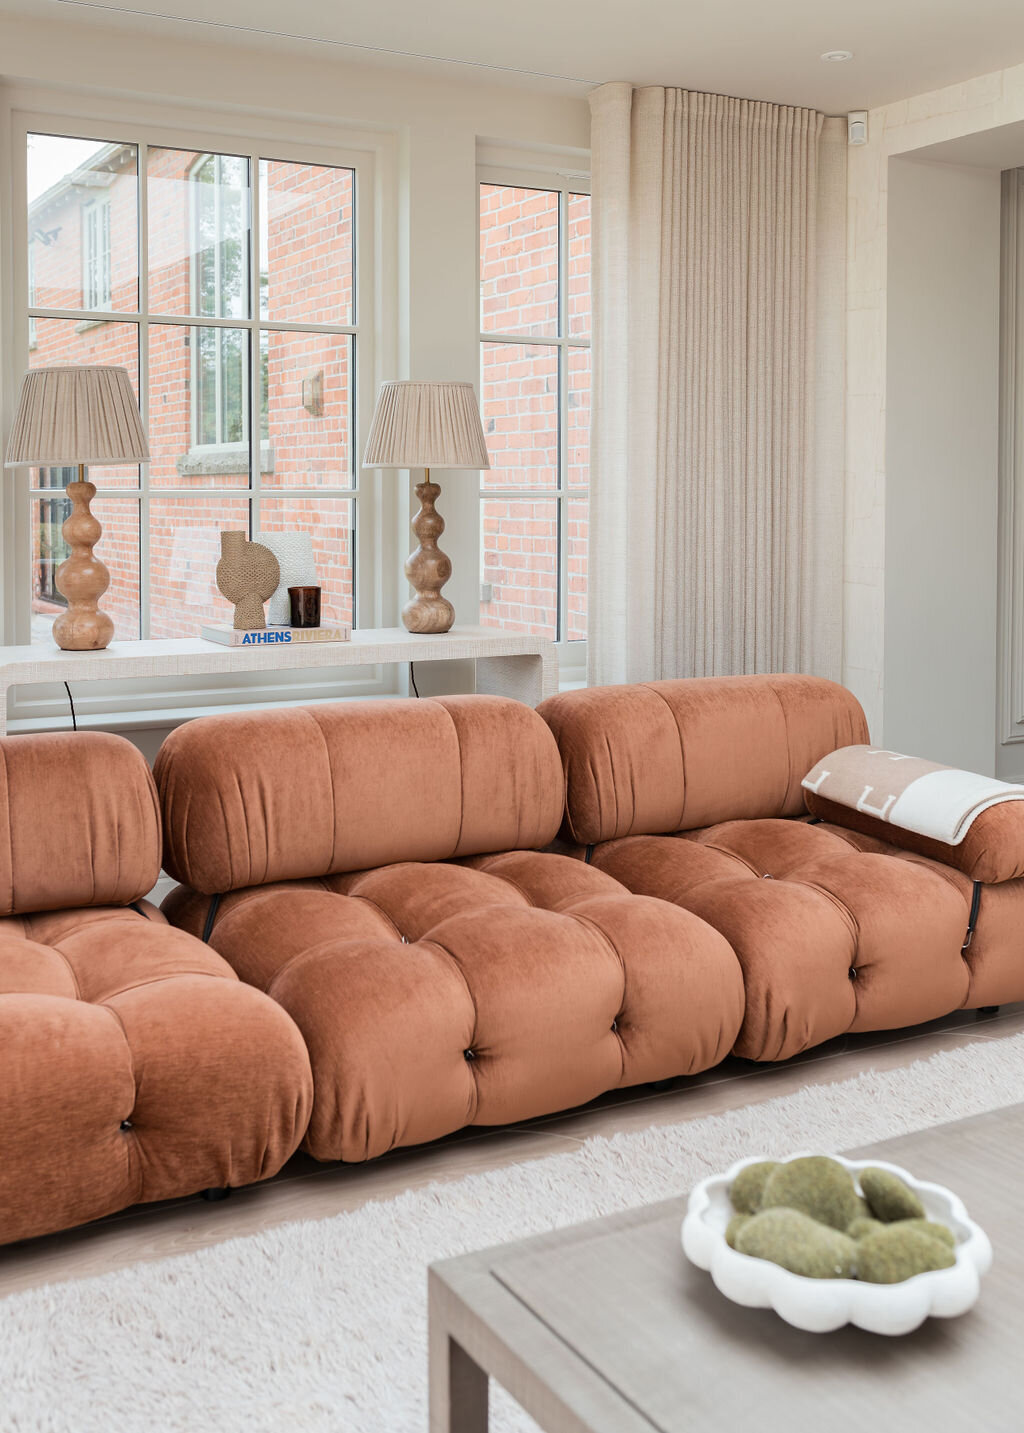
<point>606,1328</point>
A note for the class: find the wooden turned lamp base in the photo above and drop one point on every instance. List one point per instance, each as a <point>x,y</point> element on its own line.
<point>428,568</point>
<point>82,578</point>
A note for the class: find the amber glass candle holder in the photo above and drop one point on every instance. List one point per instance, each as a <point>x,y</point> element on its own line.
<point>305,606</point>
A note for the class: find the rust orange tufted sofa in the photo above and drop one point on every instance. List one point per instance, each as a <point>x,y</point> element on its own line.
<point>374,867</point>
<point>134,1065</point>
<point>690,791</point>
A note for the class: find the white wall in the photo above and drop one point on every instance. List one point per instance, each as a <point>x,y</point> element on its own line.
<point>942,456</point>
<point>986,106</point>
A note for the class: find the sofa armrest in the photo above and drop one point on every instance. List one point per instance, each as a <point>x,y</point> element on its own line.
<point>992,849</point>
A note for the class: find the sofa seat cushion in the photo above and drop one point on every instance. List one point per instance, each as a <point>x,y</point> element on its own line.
<point>134,1066</point>
<point>835,931</point>
<point>433,996</point>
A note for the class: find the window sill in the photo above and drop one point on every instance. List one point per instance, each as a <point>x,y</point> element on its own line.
<point>222,460</point>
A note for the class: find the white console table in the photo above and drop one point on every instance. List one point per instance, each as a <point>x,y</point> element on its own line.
<point>511,664</point>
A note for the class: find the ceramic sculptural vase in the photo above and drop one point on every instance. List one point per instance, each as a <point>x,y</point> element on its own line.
<point>247,575</point>
<point>294,553</point>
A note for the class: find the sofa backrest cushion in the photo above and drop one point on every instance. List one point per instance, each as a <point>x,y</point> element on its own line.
<point>315,791</point>
<point>674,756</point>
<point>79,822</point>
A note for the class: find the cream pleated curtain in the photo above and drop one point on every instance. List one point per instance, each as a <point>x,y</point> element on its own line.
<point>718,388</point>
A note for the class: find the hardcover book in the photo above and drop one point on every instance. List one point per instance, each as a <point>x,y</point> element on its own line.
<point>273,636</point>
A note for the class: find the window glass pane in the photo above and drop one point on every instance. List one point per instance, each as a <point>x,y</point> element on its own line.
<point>199,407</point>
<point>519,390</point>
<point>330,523</point>
<point>48,552</point>
<point>519,564</point>
<point>118,548</point>
<point>62,340</point>
<point>307,409</point>
<point>578,421</point>
<point>306,222</point>
<point>198,233</point>
<point>578,278</point>
<point>577,530</point>
<point>518,260</point>
<point>184,549</point>
<point>83,223</point>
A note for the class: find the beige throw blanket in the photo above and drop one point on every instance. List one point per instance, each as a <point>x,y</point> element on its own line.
<point>907,791</point>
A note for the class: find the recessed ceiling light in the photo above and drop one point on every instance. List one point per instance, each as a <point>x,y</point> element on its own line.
<point>837,57</point>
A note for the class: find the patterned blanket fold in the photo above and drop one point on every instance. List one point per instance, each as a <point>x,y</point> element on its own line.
<point>907,791</point>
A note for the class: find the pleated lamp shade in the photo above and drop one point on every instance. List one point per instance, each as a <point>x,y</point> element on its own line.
<point>68,416</point>
<point>426,425</point>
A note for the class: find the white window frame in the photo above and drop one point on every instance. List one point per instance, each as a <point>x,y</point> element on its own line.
<point>375,162</point>
<point>572,656</point>
<point>195,197</point>
<point>30,257</point>
<point>97,291</point>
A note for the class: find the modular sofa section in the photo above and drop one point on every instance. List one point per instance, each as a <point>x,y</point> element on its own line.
<point>134,1065</point>
<point>439,978</point>
<point>690,792</point>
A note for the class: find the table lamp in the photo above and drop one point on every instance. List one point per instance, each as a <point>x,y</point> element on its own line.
<point>427,425</point>
<point>73,417</point>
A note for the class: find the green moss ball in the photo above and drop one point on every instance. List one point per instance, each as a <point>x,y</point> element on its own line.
<point>899,1252</point>
<point>815,1185</point>
<point>799,1243</point>
<point>942,1232</point>
<point>861,1227</point>
<point>890,1199</point>
<point>748,1186</point>
<point>733,1228</point>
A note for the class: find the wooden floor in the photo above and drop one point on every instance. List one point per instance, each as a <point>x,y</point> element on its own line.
<point>307,1190</point>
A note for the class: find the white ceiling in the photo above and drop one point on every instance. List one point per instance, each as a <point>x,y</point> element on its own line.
<point>751,48</point>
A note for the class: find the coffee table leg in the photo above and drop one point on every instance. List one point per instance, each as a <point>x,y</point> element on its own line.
<point>458,1387</point>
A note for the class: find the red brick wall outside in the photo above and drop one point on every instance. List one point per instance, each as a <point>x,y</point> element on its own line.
<point>304,430</point>
<point>519,295</point>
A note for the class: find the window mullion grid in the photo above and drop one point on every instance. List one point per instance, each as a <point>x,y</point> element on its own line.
<point>142,151</point>
<point>562,623</point>
<point>218,297</point>
<point>189,320</point>
<point>353,414</point>
<point>142,320</point>
<point>255,348</point>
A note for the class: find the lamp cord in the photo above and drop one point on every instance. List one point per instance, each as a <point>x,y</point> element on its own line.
<point>412,677</point>
<point>74,719</point>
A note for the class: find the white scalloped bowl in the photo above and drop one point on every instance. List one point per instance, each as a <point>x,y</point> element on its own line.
<point>821,1305</point>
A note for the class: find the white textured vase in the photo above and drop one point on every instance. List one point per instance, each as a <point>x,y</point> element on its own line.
<point>294,553</point>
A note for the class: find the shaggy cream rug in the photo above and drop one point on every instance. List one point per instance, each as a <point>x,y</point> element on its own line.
<point>320,1327</point>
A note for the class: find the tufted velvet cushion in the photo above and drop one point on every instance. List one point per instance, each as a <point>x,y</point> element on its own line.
<point>504,987</point>
<point>271,796</point>
<point>669,756</point>
<point>79,822</point>
<point>133,1066</point>
<point>835,931</point>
